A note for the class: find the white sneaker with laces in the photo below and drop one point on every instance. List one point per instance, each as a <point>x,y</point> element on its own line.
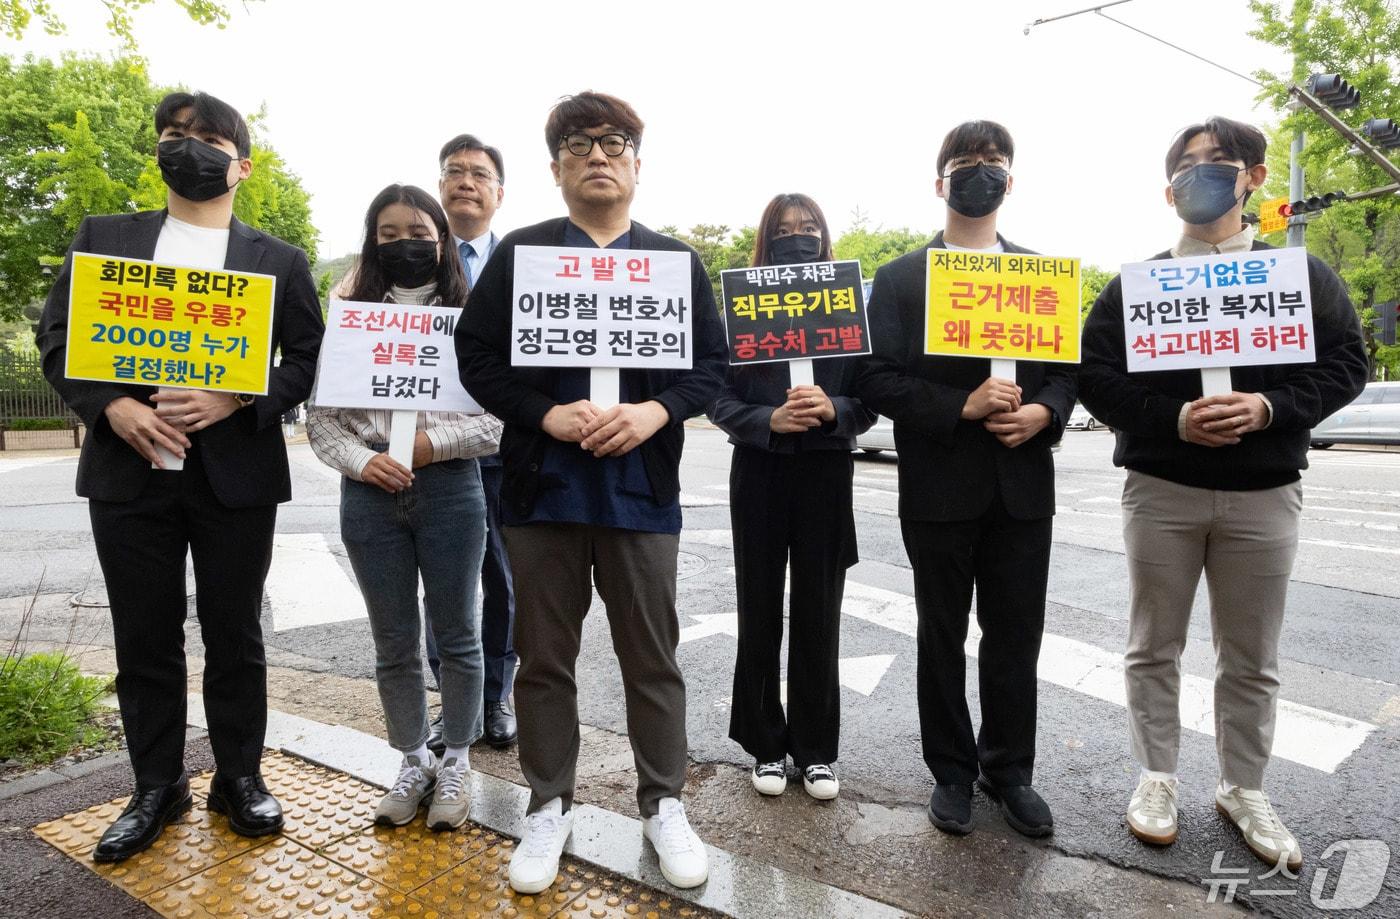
<point>769,778</point>
<point>1152,812</point>
<point>819,780</point>
<point>1260,826</point>
<point>535,864</point>
<point>415,782</point>
<point>684,861</point>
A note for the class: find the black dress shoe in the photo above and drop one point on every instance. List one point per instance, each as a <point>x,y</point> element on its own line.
<point>251,810</point>
<point>950,808</point>
<point>1024,809</point>
<point>435,741</point>
<point>140,824</point>
<point>500,724</point>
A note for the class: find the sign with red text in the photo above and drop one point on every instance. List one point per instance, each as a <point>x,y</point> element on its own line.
<point>136,321</point>
<point>391,356</point>
<point>1227,310</point>
<point>791,312</point>
<point>1002,305</point>
<point>579,307</point>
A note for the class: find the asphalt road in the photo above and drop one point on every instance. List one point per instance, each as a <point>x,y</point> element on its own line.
<point>1336,773</point>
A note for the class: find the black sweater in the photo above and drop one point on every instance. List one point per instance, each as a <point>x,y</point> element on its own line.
<point>1143,408</point>
<point>520,396</point>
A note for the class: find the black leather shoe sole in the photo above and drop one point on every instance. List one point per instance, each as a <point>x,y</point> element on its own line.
<point>1025,829</point>
<point>499,743</point>
<point>170,816</point>
<point>218,805</point>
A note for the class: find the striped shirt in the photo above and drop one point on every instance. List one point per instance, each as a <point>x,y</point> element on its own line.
<point>345,438</point>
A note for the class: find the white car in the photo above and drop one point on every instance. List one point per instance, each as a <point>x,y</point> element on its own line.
<point>1372,418</point>
<point>880,437</point>
<point>1081,420</point>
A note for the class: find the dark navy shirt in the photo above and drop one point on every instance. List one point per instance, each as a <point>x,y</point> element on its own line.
<point>575,486</point>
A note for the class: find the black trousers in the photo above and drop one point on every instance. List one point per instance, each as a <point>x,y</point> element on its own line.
<point>141,545</point>
<point>1008,560</point>
<point>790,507</point>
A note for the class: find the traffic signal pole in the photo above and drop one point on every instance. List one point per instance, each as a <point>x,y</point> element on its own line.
<point>1296,226</point>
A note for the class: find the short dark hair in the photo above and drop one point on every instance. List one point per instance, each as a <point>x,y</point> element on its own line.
<point>590,110</point>
<point>371,284</point>
<point>976,137</point>
<point>470,142</point>
<point>773,215</point>
<point>207,114</point>
<point>1243,142</point>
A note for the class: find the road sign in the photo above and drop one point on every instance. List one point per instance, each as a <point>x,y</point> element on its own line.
<point>1271,219</point>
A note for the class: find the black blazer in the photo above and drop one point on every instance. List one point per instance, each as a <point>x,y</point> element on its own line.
<point>244,455</point>
<point>521,396</point>
<point>951,469</point>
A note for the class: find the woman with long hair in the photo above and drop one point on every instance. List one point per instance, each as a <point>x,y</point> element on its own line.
<point>399,523</point>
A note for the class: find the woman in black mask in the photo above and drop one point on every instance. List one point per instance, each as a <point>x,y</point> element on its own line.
<point>790,496</point>
<point>398,524</point>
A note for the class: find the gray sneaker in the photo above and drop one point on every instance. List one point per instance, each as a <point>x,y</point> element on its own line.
<point>450,799</point>
<point>415,782</point>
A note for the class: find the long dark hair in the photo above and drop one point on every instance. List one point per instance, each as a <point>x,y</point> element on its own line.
<point>370,283</point>
<point>773,215</point>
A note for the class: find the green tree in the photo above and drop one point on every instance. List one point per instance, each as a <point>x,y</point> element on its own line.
<point>76,138</point>
<point>1359,39</point>
<point>16,16</point>
<point>874,248</point>
<point>719,249</point>
<point>1092,281</point>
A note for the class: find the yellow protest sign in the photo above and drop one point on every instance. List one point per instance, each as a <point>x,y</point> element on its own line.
<point>134,321</point>
<point>1002,305</point>
<point>1270,218</point>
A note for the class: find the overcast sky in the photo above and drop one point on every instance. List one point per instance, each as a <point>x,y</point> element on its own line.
<point>847,102</point>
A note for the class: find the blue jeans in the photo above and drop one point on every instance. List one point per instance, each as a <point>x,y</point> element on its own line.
<point>436,528</point>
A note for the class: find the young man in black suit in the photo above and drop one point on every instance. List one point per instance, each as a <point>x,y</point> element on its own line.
<point>220,506</point>
<point>976,497</point>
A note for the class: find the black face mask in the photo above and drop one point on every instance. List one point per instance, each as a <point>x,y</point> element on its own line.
<point>795,249</point>
<point>1205,193</point>
<point>409,262</point>
<point>193,169</point>
<point>976,191</point>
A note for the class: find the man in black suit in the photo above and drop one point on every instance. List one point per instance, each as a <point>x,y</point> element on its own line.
<point>222,503</point>
<point>976,497</point>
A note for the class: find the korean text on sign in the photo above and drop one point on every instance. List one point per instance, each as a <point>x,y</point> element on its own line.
<point>133,321</point>
<point>1224,310</point>
<point>787,312</point>
<point>1002,305</point>
<point>391,356</point>
<point>574,307</point>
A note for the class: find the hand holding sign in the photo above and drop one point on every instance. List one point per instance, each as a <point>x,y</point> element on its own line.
<point>1015,428</point>
<point>383,471</point>
<point>566,422</point>
<point>193,409</point>
<point>140,426</point>
<point>810,402</point>
<point>1226,418</point>
<point>623,427</point>
<point>994,395</point>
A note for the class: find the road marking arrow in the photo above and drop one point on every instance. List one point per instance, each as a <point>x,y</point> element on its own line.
<point>863,674</point>
<point>711,624</point>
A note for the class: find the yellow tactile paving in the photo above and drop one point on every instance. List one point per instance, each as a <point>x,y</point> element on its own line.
<point>333,863</point>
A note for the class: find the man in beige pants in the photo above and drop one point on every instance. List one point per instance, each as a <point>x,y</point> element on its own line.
<point>1213,485</point>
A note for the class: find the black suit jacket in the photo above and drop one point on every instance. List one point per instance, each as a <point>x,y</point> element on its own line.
<point>521,396</point>
<point>951,469</point>
<point>244,455</point>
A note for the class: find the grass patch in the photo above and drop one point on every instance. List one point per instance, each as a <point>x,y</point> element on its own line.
<point>47,707</point>
<point>38,424</point>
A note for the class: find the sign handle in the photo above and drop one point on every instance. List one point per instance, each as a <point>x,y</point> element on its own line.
<point>802,372</point>
<point>605,386</point>
<point>1004,369</point>
<point>1215,381</point>
<point>172,462</point>
<point>403,427</point>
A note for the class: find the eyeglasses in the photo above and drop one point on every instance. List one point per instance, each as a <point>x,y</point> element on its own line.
<point>582,144</point>
<point>479,175</point>
<point>963,162</point>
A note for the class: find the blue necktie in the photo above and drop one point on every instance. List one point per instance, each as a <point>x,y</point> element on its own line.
<point>465,248</point>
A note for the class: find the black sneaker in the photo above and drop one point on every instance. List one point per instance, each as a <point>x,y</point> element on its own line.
<point>950,808</point>
<point>1024,809</point>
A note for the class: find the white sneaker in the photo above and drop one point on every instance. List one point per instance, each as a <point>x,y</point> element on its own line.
<point>820,782</point>
<point>535,864</point>
<point>451,798</point>
<point>415,782</point>
<point>1263,832</point>
<point>1152,812</point>
<point>683,859</point>
<point>769,778</point>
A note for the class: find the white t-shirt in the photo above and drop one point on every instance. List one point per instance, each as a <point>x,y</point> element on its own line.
<point>190,246</point>
<point>996,247</point>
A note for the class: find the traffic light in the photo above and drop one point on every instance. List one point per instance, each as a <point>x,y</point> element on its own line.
<point>1314,204</point>
<point>1384,131</point>
<point>1334,92</point>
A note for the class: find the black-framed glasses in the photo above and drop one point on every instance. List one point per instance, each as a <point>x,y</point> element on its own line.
<point>582,144</point>
<point>479,175</point>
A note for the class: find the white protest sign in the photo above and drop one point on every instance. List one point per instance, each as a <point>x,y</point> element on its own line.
<point>1218,311</point>
<point>579,307</point>
<point>391,356</point>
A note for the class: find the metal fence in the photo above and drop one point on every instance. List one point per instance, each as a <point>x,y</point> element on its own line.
<point>24,393</point>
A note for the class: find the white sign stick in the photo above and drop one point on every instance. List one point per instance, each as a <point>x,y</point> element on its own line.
<point>1004,369</point>
<point>403,427</point>
<point>604,386</point>
<point>171,461</point>
<point>1215,381</point>
<point>802,372</point>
